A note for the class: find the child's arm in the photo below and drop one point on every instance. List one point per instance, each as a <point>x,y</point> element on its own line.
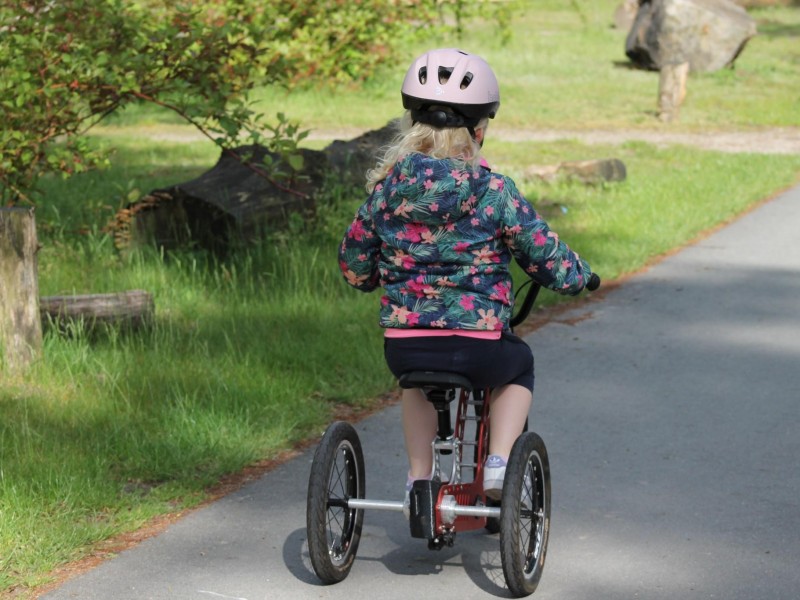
<point>538,249</point>
<point>360,251</point>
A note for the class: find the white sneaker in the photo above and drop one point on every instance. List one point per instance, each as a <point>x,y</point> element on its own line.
<point>407,502</point>
<point>494,471</point>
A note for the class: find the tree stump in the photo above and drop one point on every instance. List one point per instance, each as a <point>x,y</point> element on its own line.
<point>20,325</point>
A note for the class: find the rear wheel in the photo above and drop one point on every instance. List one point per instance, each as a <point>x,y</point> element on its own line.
<point>333,529</point>
<point>525,514</point>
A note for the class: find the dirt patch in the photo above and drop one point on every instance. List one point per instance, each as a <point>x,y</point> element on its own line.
<point>783,140</point>
<point>776,140</point>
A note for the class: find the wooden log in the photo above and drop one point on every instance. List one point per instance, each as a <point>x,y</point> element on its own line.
<point>134,309</point>
<point>20,327</point>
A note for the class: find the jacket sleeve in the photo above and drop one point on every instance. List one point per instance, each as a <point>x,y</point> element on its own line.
<point>538,250</point>
<point>359,251</point>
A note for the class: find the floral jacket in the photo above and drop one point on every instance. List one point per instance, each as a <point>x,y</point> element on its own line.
<point>439,240</point>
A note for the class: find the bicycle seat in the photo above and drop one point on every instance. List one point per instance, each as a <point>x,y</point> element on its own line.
<point>434,380</point>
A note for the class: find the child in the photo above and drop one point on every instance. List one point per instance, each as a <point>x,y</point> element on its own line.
<point>437,233</point>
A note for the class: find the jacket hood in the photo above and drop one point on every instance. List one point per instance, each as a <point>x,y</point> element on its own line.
<point>433,191</point>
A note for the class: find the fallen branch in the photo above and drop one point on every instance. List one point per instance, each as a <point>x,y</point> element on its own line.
<point>134,308</point>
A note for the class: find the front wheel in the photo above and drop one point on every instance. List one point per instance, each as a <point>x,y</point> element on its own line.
<point>333,529</point>
<point>525,514</point>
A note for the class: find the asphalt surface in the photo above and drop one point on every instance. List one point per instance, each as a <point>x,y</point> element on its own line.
<point>671,411</point>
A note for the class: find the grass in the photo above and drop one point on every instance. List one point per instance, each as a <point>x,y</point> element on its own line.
<point>250,354</point>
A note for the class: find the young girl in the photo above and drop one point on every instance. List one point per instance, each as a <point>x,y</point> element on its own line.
<point>437,234</point>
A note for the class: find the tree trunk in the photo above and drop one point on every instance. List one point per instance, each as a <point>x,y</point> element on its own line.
<point>671,90</point>
<point>20,324</point>
<point>134,308</point>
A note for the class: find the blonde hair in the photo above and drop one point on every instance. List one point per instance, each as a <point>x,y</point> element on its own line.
<point>454,143</point>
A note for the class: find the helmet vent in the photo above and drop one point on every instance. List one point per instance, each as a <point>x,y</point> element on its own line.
<point>423,75</point>
<point>467,79</point>
<point>444,74</point>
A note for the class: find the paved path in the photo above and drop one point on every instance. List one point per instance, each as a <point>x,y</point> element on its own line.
<point>671,409</point>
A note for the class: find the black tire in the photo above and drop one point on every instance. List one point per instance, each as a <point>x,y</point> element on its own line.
<point>525,514</point>
<point>333,529</point>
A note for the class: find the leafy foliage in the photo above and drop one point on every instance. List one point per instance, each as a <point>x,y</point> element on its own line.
<point>67,64</point>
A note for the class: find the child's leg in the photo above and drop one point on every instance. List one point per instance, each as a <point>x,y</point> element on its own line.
<point>510,407</point>
<point>419,428</point>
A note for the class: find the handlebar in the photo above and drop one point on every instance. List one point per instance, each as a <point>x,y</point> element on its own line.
<point>533,292</point>
<point>593,283</point>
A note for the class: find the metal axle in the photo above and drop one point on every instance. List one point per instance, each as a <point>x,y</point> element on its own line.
<point>453,509</point>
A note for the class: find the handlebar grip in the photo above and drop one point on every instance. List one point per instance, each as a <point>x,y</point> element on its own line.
<point>593,283</point>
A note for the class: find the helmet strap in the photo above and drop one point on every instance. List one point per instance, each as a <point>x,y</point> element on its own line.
<point>442,119</point>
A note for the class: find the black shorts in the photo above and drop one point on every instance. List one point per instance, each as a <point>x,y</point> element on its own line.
<point>487,363</point>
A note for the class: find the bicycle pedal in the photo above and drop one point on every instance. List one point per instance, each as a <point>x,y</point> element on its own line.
<point>422,518</point>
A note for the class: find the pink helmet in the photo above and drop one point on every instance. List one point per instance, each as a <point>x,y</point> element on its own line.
<point>450,78</point>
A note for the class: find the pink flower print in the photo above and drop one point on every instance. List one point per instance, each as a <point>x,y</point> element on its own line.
<point>440,323</point>
<point>431,293</point>
<point>449,226</point>
<point>461,247</point>
<point>428,171</point>
<point>460,177</point>
<point>403,316</point>
<point>539,239</point>
<point>553,234</point>
<point>489,211</point>
<point>484,256</point>
<point>412,181</point>
<point>403,209</point>
<point>362,257</point>
<point>428,237</point>
<point>515,202</point>
<point>550,264</point>
<point>386,216</point>
<point>509,235</point>
<point>415,232</point>
<point>475,222</point>
<point>384,300</point>
<point>487,320</point>
<point>434,207</point>
<point>566,264</point>
<point>495,183</point>
<point>501,292</point>
<point>469,203</point>
<point>403,260</point>
<point>476,280</point>
<point>467,302</point>
<point>402,176</point>
<point>379,187</point>
<point>533,269</point>
<point>357,230</point>
<point>422,289</point>
<point>428,184</point>
<point>354,279</point>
